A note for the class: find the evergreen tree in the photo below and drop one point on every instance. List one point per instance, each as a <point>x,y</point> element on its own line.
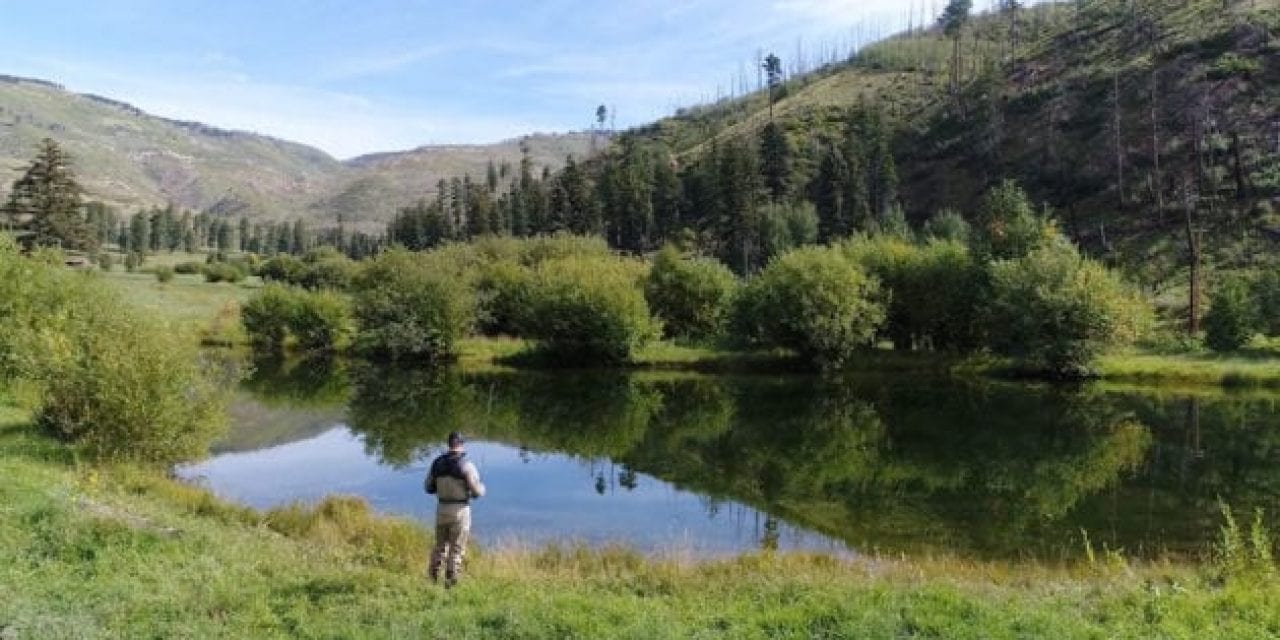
<point>953,19</point>
<point>738,187</point>
<point>46,201</point>
<point>775,161</point>
<point>773,71</point>
<point>667,195</point>
<point>139,233</point>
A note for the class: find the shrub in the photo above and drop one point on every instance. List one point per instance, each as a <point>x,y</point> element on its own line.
<point>316,320</point>
<point>281,268</point>
<point>692,296</point>
<point>588,309</point>
<point>503,291</point>
<point>786,227</point>
<point>410,305</point>
<point>189,268</point>
<point>1007,226</point>
<point>163,274</point>
<point>132,389</point>
<point>1232,318</point>
<point>106,261</point>
<point>1266,291</point>
<point>224,272</point>
<point>815,301</point>
<point>1234,65</point>
<point>325,268</point>
<point>947,224</point>
<point>117,384</point>
<point>266,317</point>
<point>1054,310</point>
<point>133,261</point>
<point>321,320</point>
<point>934,290</point>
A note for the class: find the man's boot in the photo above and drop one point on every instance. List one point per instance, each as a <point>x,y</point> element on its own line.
<point>433,569</point>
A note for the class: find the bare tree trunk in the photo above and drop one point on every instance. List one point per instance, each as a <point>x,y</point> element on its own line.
<point>1193,253</point>
<point>1157,179</point>
<point>1119,139</point>
<point>1242,190</point>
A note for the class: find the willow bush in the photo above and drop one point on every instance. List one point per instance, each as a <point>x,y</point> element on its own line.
<point>413,305</point>
<point>692,296</point>
<point>815,301</point>
<point>1054,310</point>
<point>115,382</point>
<point>587,309</point>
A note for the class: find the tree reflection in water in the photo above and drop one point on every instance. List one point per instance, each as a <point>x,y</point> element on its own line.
<point>896,463</point>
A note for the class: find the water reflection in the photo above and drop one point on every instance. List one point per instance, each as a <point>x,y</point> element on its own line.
<point>889,463</point>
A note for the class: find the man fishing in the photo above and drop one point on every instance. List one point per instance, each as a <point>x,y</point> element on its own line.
<point>454,481</point>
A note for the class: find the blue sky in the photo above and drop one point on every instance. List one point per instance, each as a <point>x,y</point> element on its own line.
<point>356,77</point>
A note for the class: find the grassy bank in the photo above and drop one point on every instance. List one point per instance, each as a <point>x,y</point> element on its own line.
<point>1226,370</point>
<point>91,551</point>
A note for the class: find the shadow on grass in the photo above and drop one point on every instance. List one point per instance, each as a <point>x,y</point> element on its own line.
<point>20,438</point>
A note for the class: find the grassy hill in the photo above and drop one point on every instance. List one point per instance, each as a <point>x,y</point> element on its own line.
<point>130,159</point>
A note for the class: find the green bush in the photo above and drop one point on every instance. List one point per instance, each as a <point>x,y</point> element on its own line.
<point>693,297</point>
<point>412,305</point>
<point>189,268</point>
<point>106,261</point>
<point>786,227</point>
<point>503,290</point>
<point>588,309</point>
<point>815,301</point>
<point>224,272</point>
<point>281,268</point>
<point>1234,65</point>
<point>1054,310</point>
<point>1266,291</point>
<point>1232,318</point>
<point>163,274</point>
<point>325,268</point>
<point>133,261</point>
<point>1007,227</point>
<point>934,290</point>
<point>947,224</point>
<point>267,315</point>
<point>119,385</point>
<point>321,320</point>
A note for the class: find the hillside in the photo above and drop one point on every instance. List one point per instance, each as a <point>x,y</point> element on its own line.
<point>130,159</point>
<point>1126,119</point>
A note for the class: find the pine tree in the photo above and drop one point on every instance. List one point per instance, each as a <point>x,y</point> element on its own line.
<point>738,181</point>
<point>953,19</point>
<point>667,196</point>
<point>46,201</point>
<point>775,161</point>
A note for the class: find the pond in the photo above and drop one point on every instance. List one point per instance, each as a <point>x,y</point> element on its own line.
<point>708,465</point>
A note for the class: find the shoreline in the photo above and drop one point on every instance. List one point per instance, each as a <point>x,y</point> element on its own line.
<point>118,550</point>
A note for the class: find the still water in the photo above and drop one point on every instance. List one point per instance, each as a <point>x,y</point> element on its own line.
<point>717,464</point>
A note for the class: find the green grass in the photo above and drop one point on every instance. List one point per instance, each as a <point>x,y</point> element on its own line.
<point>212,309</point>
<point>117,552</point>
<point>1229,370</point>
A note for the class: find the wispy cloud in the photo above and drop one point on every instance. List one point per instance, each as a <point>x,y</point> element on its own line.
<point>349,65</point>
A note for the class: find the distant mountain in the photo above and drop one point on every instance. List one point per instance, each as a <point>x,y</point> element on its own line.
<point>129,159</point>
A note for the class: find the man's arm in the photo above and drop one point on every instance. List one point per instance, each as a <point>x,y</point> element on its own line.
<point>429,483</point>
<point>473,480</point>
